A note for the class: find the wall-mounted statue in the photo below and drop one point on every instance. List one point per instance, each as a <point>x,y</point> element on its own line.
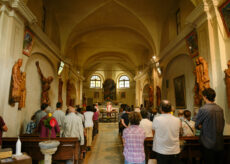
<point>68,92</point>
<point>60,84</point>
<point>23,92</point>
<point>18,90</point>
<point>158,95</point>
<point>227,81</point>
<point>151,96</point>
<point>45,86</point>
<point>202,79</point>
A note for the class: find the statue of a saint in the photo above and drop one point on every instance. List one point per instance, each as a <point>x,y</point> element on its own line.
<point>205,76</point>
<point>227,81</point>
<point>202,79</point>
<point>16,82</point>
<point>60,84</point>
<point>150,96</point>
<point>68,93</point>
<point>23,92</point>
<point>158,94</point>
<point>45,86</point>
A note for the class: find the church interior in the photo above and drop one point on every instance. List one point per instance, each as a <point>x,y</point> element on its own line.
<point>118,51</point>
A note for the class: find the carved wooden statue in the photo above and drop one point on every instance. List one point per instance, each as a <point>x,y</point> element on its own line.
<point>151,96</point>
<point>202,79</point>
<point>68,93</point>
<point>16,82</point>
<point>23,92</point>
<point>227,81</point>
<point>60,84</point>
<point>45,86</point>
<point>158,95</point>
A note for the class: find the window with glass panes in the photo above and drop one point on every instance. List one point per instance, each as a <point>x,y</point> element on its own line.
<point>95,82</point>
<point>124,82</point>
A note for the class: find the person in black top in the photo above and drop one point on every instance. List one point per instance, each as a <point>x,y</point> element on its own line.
<point>125,118</point>
<point>210,120</point>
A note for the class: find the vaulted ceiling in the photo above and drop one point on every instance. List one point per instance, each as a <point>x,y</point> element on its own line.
<point>110,34</point>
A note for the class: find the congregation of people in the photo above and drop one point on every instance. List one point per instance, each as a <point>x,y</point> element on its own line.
<point>135,125</point>
<point>76,122</point>
<point>166,129</point>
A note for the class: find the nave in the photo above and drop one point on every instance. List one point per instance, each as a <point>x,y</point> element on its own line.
<point>107,146</point>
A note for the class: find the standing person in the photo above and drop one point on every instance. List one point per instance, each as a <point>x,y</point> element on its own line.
<point>188,126</point>
<point>95,121</point>
<point>146,124</point>
<point>43,130</point>
<point>133,140</point>
<point>89,126</point>
<point>31,126</point>
<point>166,129</point>
<point>125,119</point>
<point>79,113</point>
<point>210,120</point>
<point>3,128</point>
<point>72,126</point>
<point>40,113</point>
<point>60,116</point>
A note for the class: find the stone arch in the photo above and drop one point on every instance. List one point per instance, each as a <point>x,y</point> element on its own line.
<point>174,70</point>
<point>33,85</point>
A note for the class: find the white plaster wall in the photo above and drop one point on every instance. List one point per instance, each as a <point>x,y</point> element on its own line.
<point>180,65</point>
<point>33,85</point>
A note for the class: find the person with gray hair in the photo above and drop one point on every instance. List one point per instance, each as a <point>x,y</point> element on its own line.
<point>43,130</point>
<point>166,129</point>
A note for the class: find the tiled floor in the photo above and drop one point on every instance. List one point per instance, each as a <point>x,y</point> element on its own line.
<point>107,147</point>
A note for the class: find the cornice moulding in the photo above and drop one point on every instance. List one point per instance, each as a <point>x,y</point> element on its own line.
<point>21,7</point>
<point>196,18</point>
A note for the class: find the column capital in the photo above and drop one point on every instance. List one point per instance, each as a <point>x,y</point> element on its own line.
<point>22,9</point>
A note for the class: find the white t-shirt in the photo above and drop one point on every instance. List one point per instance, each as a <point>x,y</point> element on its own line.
<point>88,119</point>
<point>146,125</point>
<point>166,139</point>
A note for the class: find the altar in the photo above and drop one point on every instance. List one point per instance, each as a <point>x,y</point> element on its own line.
<point>108,112</point>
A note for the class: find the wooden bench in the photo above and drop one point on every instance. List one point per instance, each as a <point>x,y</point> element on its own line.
<point>191,149</point>
<point>69,148</point>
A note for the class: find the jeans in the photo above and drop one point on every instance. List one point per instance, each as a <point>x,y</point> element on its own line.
<point>126,162</point>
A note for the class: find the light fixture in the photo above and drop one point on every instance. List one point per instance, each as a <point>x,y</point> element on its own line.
<point>157,64</point>
<point>159,70</point>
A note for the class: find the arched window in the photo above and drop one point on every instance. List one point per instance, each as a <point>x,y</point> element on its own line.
<point>124,82</point>
<point>95,82</point>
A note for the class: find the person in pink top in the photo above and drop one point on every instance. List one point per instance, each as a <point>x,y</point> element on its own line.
<point>133,140</point>
<point>95,121</point>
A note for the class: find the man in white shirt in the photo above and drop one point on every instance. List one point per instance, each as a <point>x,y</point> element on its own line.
<point>73,126</point>
<point>146,124</point>
<point>60,116</point>
<point>166,129</point>
<point>188,126</point>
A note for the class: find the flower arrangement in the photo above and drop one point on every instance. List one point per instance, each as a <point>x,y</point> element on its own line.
<point>49,123</point>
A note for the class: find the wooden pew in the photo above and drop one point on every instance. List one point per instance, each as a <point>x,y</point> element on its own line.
<point>68,149</point>
<point>191,149</point>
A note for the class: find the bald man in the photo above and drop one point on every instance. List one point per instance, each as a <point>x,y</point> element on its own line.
<point>166,129</point>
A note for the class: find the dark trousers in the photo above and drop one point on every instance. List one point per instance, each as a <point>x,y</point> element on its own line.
<point>212,156</point>
<point>167,159</point>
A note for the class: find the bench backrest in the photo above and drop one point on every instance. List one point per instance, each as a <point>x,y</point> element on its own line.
<point>68,149</point>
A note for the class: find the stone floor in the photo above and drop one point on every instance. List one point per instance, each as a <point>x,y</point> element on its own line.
<point>107,147</point>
